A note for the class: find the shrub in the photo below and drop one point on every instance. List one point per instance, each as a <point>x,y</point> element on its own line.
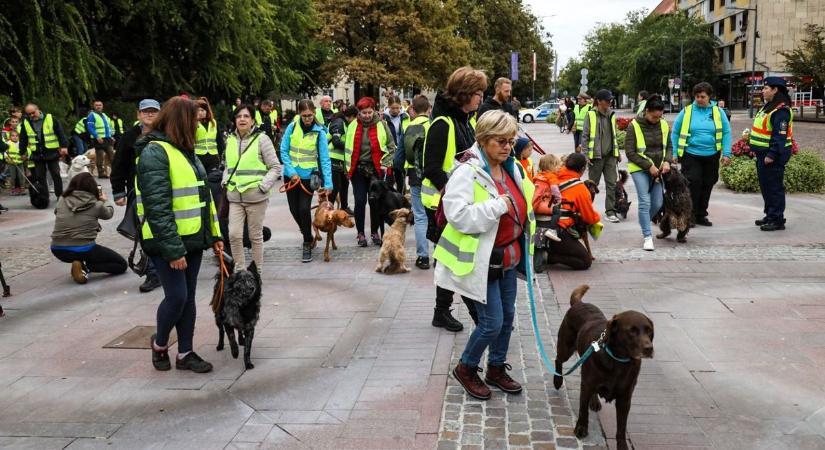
<point>551,118</point>
<point>742,147</point>
<point>620,137</point>
<point>805,172</point>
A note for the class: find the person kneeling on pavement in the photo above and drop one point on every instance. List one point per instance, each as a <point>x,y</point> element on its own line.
<point>76,227</point>
<point>488,238</point>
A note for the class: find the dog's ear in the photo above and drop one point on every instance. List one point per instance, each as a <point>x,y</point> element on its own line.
<point>611,328</point>
<point>394,213</point>
<point>252,267</point>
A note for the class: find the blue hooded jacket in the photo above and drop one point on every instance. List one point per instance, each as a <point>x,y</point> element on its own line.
<point>323,153</point>
<point>702,139</point>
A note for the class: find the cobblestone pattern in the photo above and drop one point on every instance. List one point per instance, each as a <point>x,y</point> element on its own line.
<point>810,252</point>
<point>541,417</point>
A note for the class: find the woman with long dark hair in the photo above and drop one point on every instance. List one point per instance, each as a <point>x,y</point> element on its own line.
<point>76,226</point>
<point>179,223</point>
<point>304,150</point>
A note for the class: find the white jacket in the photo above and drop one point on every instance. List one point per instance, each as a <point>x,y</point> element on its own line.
<point>469,217</point>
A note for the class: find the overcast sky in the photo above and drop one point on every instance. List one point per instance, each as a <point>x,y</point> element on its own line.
<point>575,18</point>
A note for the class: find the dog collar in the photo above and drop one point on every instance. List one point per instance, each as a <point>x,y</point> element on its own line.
<point>610,353</point>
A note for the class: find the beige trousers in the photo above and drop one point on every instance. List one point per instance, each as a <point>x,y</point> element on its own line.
<point>253,214</point>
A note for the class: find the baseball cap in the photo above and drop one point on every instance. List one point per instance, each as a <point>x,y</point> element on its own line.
<point>604,95</point>
<point>148,103</point>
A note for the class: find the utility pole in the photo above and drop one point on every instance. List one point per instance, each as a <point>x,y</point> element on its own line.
<point>753,65</point>
<point>681,67</point>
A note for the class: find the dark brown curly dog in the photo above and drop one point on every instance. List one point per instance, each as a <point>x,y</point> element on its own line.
<point>677,207</point>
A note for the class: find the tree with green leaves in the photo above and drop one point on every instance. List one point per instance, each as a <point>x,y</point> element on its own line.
<point>807,60</point>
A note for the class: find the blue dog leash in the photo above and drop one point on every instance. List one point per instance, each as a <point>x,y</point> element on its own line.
<point>592,348</point>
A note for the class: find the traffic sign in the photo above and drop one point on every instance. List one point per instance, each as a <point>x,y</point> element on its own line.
<point>670,83</point>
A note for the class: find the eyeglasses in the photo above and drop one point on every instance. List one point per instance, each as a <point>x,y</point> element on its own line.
<point>307,116</point>
<point>505,142</point>
<point>479,94</point>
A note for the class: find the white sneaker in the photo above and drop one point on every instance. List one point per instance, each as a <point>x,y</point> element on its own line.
<point>612,218</point>
<point>648,245</point>
<point>553,235</point>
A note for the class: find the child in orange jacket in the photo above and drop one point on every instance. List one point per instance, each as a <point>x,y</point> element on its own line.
<point>547,199</point>
<point>523,148</point>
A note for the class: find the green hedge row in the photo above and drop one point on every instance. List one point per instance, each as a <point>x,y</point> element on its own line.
<point>805,172</point>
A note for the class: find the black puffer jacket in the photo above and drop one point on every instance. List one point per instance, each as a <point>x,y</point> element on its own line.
<point>156,193</point>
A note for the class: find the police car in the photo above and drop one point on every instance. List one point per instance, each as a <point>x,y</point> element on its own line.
<point>531,115</point>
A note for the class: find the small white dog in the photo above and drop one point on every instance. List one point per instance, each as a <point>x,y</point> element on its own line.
<point>80,164</point>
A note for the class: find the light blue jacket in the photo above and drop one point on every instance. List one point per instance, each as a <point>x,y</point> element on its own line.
<point>323,152</point>
<point>702,139</point>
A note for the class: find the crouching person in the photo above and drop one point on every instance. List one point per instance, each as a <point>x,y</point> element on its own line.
<point>488,206</point>
<point>76,227</point>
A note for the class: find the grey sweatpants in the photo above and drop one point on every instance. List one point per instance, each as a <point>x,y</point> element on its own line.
<point>607,166</point>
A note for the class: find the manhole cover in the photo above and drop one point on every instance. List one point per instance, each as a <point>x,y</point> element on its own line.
<point>138,338</point>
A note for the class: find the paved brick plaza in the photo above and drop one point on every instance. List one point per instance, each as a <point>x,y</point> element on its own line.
<point>346,358</point>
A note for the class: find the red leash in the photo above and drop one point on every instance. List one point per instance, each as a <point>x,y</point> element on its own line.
<point>292,184</point>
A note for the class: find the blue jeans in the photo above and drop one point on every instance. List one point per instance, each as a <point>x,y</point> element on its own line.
<point>495,323</point>
<point>177,310</point>
<point>650,200</point>
<point>422,248</point>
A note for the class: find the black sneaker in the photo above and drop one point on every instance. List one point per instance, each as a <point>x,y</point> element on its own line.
<point>443,318</point>
<point>422,262</point>
<point>704,222</point>
<point>349,211</point>
<point>3,208</point>
<point>306,256</point>
<point>160,359</point>
<point>362,240</point>
<point>764,221</point>
<point>194,363</point>
<point>151,283</point>
<point>772,226</point>
<point>376,239</point>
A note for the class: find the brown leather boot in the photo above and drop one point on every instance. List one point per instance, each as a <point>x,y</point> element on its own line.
<point>468,377</point>
<point>497,376</point>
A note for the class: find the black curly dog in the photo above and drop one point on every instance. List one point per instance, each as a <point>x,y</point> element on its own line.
<point>677,207</point>
<point>622,201</point>
<point>240,309</point>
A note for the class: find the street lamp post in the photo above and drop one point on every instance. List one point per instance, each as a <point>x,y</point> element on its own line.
<point>755,10</point>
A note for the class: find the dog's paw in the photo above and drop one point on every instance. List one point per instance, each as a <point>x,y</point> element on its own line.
<point>326,258</point>
<point>249,366</point>
<point>661,236</point>
<point>581,430</point>
<point>234,350</point>
<point>558,382</point>
<point>595,404</point>
<point>379,269</point>
<point>681,240</point>
<point>219,347</point>
<point>621,444</point>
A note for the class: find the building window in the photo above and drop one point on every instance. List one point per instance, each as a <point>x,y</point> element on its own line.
<point>744,51</point>
<point>711,5</point>
<point>730,53</point>
<point>732,23</point>
<point>720,27</point>
<point>744,23</point>
<point>721,55</point>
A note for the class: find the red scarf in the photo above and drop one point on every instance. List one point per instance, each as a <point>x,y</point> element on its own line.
<point>376,147</point>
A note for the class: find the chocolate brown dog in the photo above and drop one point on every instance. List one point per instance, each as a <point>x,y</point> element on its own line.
<point>612,370</point>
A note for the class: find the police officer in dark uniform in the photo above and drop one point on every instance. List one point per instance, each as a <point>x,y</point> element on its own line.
<point>771,139</point>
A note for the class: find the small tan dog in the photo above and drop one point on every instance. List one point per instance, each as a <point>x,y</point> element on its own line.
<point>107,164</point>
<point>392,250</point>
<point>328,219</point>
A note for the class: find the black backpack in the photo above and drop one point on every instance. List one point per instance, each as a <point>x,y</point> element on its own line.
<point>414,146</point>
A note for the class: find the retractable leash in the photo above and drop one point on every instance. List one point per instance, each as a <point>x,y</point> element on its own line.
<point>594,347</point>
<point>535,144</point>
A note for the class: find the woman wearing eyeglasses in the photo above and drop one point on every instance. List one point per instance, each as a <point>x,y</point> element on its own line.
<point>488,238</point>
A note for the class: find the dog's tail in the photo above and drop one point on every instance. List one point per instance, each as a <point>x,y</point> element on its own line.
<point>578,293</point>
<point>623,176</point>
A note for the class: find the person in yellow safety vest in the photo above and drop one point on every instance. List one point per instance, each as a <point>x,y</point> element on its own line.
<point>305,153</point>
<point>337,148</point>
<point>14,160</point>
<point>488,239</point>
<point>649,151</point>
<point>771,138</point>
<point>250,174</point>
<point>236,103</point>
<point>414,136</point>
<point>100,130</point>
<point>117,125</point>
<point>368,155</point>
<point>12,123</point>
<point>79,137</point>
<point>209,147</point>
<point>448,138</point>
<point>700,135</point>
<point>599,140</point>
<point>179,222</point>
<point>45,142</point>
<point>579,114</point>
<point>397,121</point>
<point>266,119</point>
<point>641,103</point>
<point>323,113</point>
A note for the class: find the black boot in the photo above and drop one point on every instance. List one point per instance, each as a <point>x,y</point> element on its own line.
<point>443,318</point>
<point>151,283</point>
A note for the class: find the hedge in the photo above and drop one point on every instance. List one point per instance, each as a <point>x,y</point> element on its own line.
<point>805,172</point>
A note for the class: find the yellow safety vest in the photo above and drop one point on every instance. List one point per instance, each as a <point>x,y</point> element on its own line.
<point>684,132</point>
<point>100,125</point>
<point>591,144</point>
<point>49,137</point>
<point>762,129</point>
<point>14,156</point>
<point>641,145</point>
<point>206,139</point>
<point>430,196</point>
<point>457,250</point>
<point>250,171</point>
<point>186,203</point>
<point>474,120</point>
<point>116,125</point>
<point>80,126</point>
<point>420,120</point>
<point>352,128</point>
<point>303,148</point>
<point>273,117</point>
<point>580,112</point>
<point>319,115</point>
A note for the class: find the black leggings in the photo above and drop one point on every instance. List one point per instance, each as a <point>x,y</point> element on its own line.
<point>340,183</point>
<point>98,259</point>
<point>569,252</point>
<point>361,190</point>
<point>300,205</point>
<point>53,166</point>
